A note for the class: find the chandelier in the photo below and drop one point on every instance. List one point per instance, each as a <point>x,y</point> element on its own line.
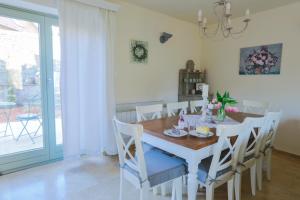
<point>224,20</point>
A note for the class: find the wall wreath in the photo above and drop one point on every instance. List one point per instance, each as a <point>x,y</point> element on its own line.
<point>139,51</point>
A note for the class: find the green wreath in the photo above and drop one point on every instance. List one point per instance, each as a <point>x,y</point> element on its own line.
<point>139,52</point>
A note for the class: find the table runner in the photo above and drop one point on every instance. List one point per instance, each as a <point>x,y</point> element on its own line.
<point>197,120</point>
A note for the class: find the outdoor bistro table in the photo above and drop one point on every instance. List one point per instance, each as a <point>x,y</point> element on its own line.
<point>190,148</point>
<point>5,110</point>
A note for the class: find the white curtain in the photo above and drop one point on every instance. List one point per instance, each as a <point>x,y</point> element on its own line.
<point>87,78</point>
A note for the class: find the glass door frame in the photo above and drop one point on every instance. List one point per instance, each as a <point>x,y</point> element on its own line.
<point>50,151</point>
<point>56,151</point>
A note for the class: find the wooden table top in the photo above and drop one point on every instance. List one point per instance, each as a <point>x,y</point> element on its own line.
<point>156,128</point>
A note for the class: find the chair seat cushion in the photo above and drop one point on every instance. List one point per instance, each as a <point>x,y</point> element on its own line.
<point>204,167</point>
<point>161,167</point>
<point>147,147</point>
<point>28,116</point>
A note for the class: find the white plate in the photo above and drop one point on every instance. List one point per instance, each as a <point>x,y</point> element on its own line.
<point>201,135</point>
<point>170,132</point>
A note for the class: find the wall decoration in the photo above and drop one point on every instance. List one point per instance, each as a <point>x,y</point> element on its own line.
<point>139,51</point>
<point>261,59</point>
<point>164,37</point>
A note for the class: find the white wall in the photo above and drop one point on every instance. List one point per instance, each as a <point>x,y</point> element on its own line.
<point>157,80</point>
<point>281,25</point>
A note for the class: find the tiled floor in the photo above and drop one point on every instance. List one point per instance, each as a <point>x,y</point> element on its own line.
<point>98,179</point>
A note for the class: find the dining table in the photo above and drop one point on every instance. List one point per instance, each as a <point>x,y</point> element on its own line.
<point>190,148</point>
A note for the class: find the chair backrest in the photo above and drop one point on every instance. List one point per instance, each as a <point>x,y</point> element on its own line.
<point>197,104</point>
<point>253,139</point>
<point>172,108</point>
<point>31,101</point>
<point>126,135</point>
<point>154,110</point>
<point>273,119</point>
<point>226,134</point>
<point>255,107</point>
<point>205,89</point>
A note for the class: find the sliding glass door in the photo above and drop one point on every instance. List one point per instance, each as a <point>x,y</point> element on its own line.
<point>30,122</point>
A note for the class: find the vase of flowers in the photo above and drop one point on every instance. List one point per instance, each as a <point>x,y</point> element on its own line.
<point>223,101</point>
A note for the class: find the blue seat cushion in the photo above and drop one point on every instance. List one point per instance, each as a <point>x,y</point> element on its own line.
<point>204,167</point>
<point>147,147</point>
<point>161,167</point>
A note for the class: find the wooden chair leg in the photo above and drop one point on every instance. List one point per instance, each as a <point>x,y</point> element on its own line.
<point>237,185</point>
<point>155,190</point>
<point>121,185</point>
<point>163,189</point>
<point>144,193</point>
<point>259,166</point>
<point>178,188</point>
<point>174,191</point>
<point>269,164</point>
<point>253,179</point>
<point>210,190</point>
<point>230,188</point>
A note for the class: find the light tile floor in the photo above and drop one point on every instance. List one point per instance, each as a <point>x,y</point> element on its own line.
<point>98,179</point>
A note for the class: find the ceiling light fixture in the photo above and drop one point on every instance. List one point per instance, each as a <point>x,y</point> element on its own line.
<point>224,20</point>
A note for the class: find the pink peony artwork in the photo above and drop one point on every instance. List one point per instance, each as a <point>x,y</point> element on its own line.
<point>261,60</point>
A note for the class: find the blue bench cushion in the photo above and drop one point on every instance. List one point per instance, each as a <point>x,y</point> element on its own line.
<point>161,167</point>
<point>147,147</point>
<point>204,167</point>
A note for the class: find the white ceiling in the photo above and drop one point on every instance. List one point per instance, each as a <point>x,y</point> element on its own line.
<point>187,9</point>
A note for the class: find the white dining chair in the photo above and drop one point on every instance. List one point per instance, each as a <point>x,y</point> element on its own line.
<point>149,112</point>
<point>250,152</point>
<point>273,119</point>
<point>255,107</point>
<point>176,107</point>
<point>196,106</point>
<point>220,168</point>
<point>145,170</point>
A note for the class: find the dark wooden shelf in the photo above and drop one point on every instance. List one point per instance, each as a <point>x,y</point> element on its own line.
<point>187,84</point>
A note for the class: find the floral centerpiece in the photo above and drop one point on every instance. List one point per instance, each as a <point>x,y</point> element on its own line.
<point>224,103</point>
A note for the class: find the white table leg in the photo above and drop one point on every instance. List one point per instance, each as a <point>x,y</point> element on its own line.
<point>192,179</point>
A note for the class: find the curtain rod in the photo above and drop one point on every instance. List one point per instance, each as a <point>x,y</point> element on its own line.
<point>52,10</point>
<point>101,4</point>
<point>30,6</point>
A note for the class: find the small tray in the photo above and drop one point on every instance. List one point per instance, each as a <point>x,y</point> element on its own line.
<point>201,135</point>
<point>175,133</point>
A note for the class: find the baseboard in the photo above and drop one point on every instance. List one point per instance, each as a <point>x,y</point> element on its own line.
<point>286,153</point>
<point>30,166</point>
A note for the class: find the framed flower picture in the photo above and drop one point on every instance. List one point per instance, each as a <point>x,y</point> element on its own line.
<point>261,60</point>
<point>139,51</point>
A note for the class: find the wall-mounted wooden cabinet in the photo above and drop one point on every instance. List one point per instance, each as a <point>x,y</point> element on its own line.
<point>189,86</point>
